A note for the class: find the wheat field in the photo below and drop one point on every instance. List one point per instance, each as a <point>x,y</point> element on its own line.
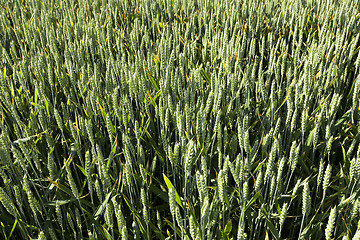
<point>179,119</point>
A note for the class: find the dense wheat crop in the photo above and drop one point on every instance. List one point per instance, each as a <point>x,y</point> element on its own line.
<point>179,119</point>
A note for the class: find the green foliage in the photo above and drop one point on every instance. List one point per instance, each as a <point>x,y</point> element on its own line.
<point>179,119</point>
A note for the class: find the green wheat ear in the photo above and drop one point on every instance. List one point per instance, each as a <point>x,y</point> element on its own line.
<point>306,199</point>
<point>7,203</point>
<point>331,223</point>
